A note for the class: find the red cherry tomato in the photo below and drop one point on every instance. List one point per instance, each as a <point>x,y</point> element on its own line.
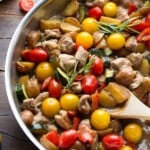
<point>68,138</point>
<point>45,84</point>
<point>95,12</point>
<point>86,134</point>
<point>140,27</point>
<point>26,5</point>
<point>36,55</point>
<point>89,84</point>
<point>54,88</point>
<point>97,67</point>
<point>148,18</point>
<point>112,142</point>
<point>132,8</point>
<point>53,137</point>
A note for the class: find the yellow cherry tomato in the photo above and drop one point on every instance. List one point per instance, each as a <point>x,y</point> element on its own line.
<point>50,107</point>
<point>69,102</point>
<point>116,41</point>
<point>90,25</point>
<point>100,119</point>
<point>126,147</point>
<point>84,39</point>
<point>110,9</point>
<point>133,133</point>
<point>44,70</point>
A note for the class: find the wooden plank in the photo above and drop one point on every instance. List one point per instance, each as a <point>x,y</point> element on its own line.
<point>10,7</point>
<point>12,135</point>
<point>8,25</point>
<point>3,50</point>
<point>4,105</point>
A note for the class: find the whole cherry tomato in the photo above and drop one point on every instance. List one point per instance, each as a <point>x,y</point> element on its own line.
<point>112,142</point>
<point>54,88</point>
<point>97,67</point>
<point>95,12</point>
<point>53,137</point>
<point>68,138</point>
<point>89,84</point>
<point>36,55</point>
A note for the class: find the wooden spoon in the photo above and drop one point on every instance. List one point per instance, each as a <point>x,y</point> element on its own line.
<point>132,108</point>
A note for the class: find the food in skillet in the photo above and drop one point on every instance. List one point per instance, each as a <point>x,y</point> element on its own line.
<point>77,64</point>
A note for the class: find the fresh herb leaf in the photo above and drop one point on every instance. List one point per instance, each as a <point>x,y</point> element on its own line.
<point>96,51</point>
<point>73,76</point>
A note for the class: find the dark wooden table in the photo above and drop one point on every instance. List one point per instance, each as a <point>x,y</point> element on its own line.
<point>13,137</point>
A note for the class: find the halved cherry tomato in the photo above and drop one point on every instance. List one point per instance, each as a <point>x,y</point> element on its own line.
<point>132,8</point>
<point>26,5</point>
<point>36,55</point>
<point>97,67</point>
<point>95,101</point>
<point>53,137</point>
<point>68,138</point>
<point>54,88</point>
<point>95,12</point>
<point>140,27</point>
<point>86,135</point>
<point>45,84</point>
<point>75,123</point>
<point>112,142</point>
<point>89,84</point>
<point>144,36</point>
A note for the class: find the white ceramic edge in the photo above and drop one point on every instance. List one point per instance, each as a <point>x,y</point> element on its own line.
<point>8,77</point>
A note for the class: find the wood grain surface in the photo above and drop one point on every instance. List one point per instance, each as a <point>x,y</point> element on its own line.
<point>13,137</point>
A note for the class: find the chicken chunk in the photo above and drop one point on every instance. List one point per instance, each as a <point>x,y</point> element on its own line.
<point>122,13</point>
<point>66,44</point>
<point>131,44</point>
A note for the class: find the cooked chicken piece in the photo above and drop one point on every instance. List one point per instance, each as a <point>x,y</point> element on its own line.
<point>125,74</point>
<point>138,3</point>
<point>85,128</point>
<point>125,3</point>
<point>54,33</point>
<point>67,62</point>
<point>98,36</point>
<point>121,63</point>
<point>30,104</point>
<point>122,13</point>
<point>66,44</point>
<point>82,56</point>
<point>143,89</point>
<point>125,77</point>
<point>136,81</point>
<point>136,59</point>
<point>34,103</point>
<point>131,44</point>
<point>99,3</point>
<point>40,118</point>
<point>50,44</point>
<point>33,38</point>
<point>84,105</point>
<point>85,122</point>
<point>102,44</point>
<point>63,120</point>
<point>33,87</point>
